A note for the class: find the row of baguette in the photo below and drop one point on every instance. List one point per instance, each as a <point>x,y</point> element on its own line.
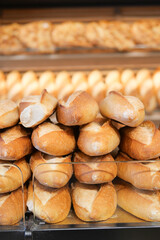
<point>143,84</point>
<point>43,36</point>
<point>94,196</point>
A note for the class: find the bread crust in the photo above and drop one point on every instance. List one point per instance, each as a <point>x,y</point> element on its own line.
<point>77,109</point>
<point>51,205</point>
<point>98,138</point>
<point>56,140</point>
<point>11,209</point>
<point>15,143</point>
<point>128,110</point>
<point>52,175</point>
<point>141,203</point>
<point>141,143</point>
<point>94,170</point>
<point>102,205</point>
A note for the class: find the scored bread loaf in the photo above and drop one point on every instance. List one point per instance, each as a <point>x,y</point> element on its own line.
<point>141,203</point>
<point>51,205</point>
<point>98,138</point>
<point>51,171</point>
<point>9,115</point>
<point>128,110</point>
<point>13,176</point>
<point>142,142</point>
<point>11,206</point>
<point>36,109</point>
<point>142,175</point>
<point>94,202</point>
<point>57,140</point>
<point>15,143</point>
<point>77,109</point>
<point>94,170</point>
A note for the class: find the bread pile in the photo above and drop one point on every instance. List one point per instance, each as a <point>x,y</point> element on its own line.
<point>46,37</point>
<point>142,84</point>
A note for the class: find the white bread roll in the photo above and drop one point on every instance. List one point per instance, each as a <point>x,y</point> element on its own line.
<point>36,109</point>
<point>128,110</point>
<point>57,140</point>
<point>51,205</point>
<point>142,142</point>
<point>94,202</point>
<point>50,171</point>
<point>98,138</point>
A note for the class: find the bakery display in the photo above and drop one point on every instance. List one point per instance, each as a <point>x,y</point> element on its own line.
<point>15,143</point>
<point>98,137</point>
<point>94,170</point>
<point>36,109</point>
<point>13,176</point>
<point>142,142</point>
<point>57,140</point>
<point>51,205</point>
<point>141,203</point>
<point>142,175</point>
<point>51,171</point>
<point>94,202</point>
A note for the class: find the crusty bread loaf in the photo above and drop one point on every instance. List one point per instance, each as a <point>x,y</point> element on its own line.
<point>50,171</point>
<point>142,175</point>
<point>98,138</point>
<point>15,143</point>
<point>128,110</point>
<point>141,203</point>
<point>142,142</point>
<point>94,170</point>
<point>11,207</point>
<point>36,109</point>
<point>53,139</point>
<point>94,202</point>
<point>77,109</point>
<point>51,205</point>
<point>9,114</point>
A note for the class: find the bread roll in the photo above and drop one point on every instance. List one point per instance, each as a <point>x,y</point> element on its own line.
<point>50,171</point>
<point>11,177</point>
<point>77,109</point>
<point>53,139</point>
<point>142,142</point>
<point>141,175</point>
<point>65,91</point>
<point>115,86</point>
<point>62,79</point>
<point>3,86</point>
<point>98,91</point>
<point>36,109</point>
<point>9,114</point>
<point>141,203</point>
<point>131,88</point>
<point>28,78</point>
<point>46,81</point>
<point>94,77</point>
<point>126,75</point>
<point>78,78</point>
<point>51,205</point>
<point>98,138</point>
<point>142,75</point>
<point>94,170</point>
<point>12,78</point>
<point>15,143</point>
<point>112,77</point>
<point>128,110</point>
<point>94,202</point>
<point>11,207</point>
<point>53,118</point>
<point>156,83</point>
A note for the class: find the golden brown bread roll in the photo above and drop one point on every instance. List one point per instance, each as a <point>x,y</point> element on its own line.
<point>57,140</point>
<point>51,205</point>
<point>62,79</point>
<point>9,114</point>
<point>126,75</point>
<point>98,91</point>
<point>142,75</point>
<point>36,109</point>
<point>77,109</point>
<point>131,88</point>
<point>28,78</point>
<point>141,203</point>
<point>12,78</point>
<point>78,78</point>
<point>50,171</point>
<point>98,138</point>
<point>112,77</point>
<point>141,175</point>
<point>66,91</point>
<point>142,142</point>
<point>94,170</point>
<point>11,177</point>
<point>94,202</point>
<point>46,81</point>
<point>128,110</point>
<point>156,83</point>
<point>15,143</point>
<point>3,86</point>
<point>11,206</point>
<point>94,77</point>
